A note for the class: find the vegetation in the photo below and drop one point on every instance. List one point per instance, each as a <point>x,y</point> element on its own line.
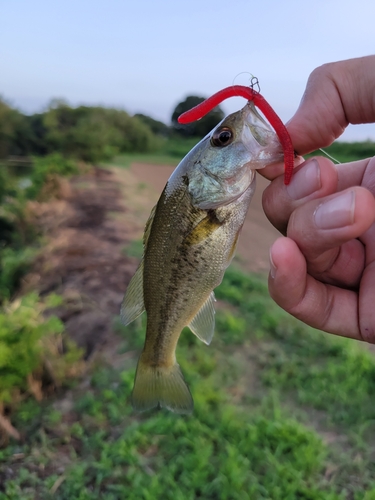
<point>274,418</point>
<point>170,152</point>
<point>14,131</point>
<point>18,235</point>
<point>94,133</point>
<point>156,126</point>
<point>350,151</point>
<point>27,341</point>
<point>88,133</point>
<point>34,354</point>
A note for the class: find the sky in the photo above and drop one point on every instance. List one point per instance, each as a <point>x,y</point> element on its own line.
<point>145,56</point>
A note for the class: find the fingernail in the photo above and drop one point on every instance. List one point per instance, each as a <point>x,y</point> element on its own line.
<point>337,212</point>
<point>305,181</point>
<point>272,266</point>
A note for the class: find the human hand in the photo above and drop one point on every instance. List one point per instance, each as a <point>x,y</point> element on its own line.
<point>323,271</point>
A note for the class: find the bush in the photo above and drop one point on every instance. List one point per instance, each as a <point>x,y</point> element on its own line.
<point>88,133</point>
<point>46,167</point>
<point>15,132</point>
<point>13,265</point>
<point>27,340</point>
<point>94,134</point>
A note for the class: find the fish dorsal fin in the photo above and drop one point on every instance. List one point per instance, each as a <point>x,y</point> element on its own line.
<point>203,323</point>
<point>133,305</point>
<point>147,232</point>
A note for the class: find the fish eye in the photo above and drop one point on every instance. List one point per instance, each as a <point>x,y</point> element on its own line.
<point>222,137</point>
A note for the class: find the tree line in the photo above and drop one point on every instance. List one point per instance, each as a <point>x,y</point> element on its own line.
<point>91,133</point>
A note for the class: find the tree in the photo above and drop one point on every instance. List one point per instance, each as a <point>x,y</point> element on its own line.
<point>15,133</point>
<point>94,134</point>
<point>201,127</point>
<point>157,127</point>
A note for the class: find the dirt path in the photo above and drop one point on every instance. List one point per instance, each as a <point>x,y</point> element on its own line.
<point>87,230</point>
<point>257,233</point>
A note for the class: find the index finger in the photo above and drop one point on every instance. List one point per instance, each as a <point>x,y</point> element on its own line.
<point>279,201</point>
<point>336,94</point>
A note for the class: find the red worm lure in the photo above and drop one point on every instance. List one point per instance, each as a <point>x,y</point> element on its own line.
<point>251,95</point>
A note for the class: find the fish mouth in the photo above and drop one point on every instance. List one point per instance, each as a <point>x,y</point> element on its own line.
<point>259,139</point>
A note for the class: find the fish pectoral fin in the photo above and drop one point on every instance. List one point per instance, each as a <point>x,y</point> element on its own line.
<point>203,229</point>
<point>133,305</point>
<point>203,323</point>
<point>161,386</point>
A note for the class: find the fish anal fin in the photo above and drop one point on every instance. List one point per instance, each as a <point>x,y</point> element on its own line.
<point>161,386</point>
<point>133,305</point>
<point>203,323</point>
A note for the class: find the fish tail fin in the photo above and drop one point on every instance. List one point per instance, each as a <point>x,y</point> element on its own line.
<point>159,385</point>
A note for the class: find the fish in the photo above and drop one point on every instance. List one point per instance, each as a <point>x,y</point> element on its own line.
<point>188,242</point>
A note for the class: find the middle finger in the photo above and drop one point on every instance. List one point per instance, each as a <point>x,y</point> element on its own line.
<point>326,231</point>
<point>315,178</point>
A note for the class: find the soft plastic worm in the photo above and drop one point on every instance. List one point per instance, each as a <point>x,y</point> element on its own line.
<point>251,95</point>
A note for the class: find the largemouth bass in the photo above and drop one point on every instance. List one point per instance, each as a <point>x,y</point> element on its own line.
<point>189,241</point>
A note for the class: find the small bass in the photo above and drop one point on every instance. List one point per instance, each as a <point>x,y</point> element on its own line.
<point>189,241</point>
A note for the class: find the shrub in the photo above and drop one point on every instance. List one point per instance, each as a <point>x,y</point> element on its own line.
<point>47,167</point>
<point>13,265</point>
<point>27,341</point>
<point>94,134</point>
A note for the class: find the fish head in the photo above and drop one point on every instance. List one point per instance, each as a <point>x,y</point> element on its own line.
<point>221,167</point>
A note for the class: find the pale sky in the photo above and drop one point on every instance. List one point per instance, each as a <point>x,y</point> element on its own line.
<point>147,55</point>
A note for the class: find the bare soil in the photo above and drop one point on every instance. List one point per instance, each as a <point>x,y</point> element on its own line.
<point>84,260</point>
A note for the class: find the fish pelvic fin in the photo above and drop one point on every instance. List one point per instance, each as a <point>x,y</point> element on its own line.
<point>161,386</point>
<point>203,323</point>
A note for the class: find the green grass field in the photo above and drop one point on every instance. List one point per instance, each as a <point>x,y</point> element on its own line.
<point>170,153</point>
<point>281,412</point>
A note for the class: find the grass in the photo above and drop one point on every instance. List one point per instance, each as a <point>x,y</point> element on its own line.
<point>267,392</point>
<point>343,151</point>
<point>134,249</point>
<point>171,151</point>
